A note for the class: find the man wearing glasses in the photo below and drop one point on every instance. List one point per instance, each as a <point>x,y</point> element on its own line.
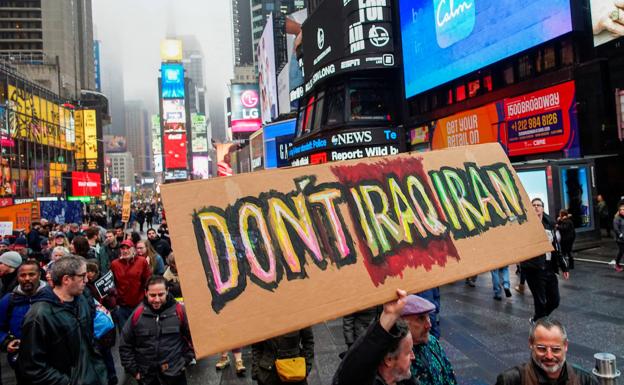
<point>57,334</point>
<point>548,342</point>
<point>541,271</point>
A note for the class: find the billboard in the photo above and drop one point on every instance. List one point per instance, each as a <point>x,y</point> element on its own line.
<point>173,112</point>
<point>201,166</point>
<point>278,139</point>
<point>96,61</point>
<point>542,121</point>
<point>607,18</point>
<point>577,194</point>
<point>175,150</point>
<point>290,79</point>
<point>469,127</point>
<point>171,50</point>
<point>536,186</point>
<point>85,184</point>
<point>158,163</point>
<point>172,80</point>
<point>245,101</point>
<point>115,143</point>
<point>444,40</point>
<point>266,73</point>
<point>256,151</point>
<point>156,135</point>
<point>343,36</point>
<point>199,133</point>
<point>115,187</point>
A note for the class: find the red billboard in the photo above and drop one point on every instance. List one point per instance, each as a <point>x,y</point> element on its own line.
<point>542,121</point>
<point>86,184</point>
<point>175,151</point>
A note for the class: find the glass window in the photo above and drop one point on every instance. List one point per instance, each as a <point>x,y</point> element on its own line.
<point>318,111</point>
<point>307,120</point>
<point>525,67</point>
<point>300,121</point>
<point>369,102</point>
<point>567,52</point>
<point>335,106</point>
<point>508,75</point>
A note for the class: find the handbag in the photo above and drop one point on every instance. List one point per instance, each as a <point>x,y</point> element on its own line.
<point>291,369</point>
<point>103,321</point>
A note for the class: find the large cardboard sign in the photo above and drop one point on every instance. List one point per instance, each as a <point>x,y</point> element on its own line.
<point>265,253</point>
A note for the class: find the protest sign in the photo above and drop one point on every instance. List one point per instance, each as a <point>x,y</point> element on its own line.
<point>105,284</point>
<point>6,228</point>
<point>125,207</point>
<point>265,253</point>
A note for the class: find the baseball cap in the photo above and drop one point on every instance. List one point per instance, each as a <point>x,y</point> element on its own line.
<point>11,259</point>
<point>20,242</point>
<point>127,243</point>
<point>416,305</point>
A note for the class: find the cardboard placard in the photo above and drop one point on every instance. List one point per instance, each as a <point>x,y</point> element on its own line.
<point>125,207</point>
<point>6,228</point>
<point>105,284</point>
<point>265,253</point>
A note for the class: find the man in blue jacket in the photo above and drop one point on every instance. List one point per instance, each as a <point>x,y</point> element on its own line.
<point>15,305</point>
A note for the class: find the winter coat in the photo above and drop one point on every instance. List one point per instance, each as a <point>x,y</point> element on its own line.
<point>17,304</point>
<point>296,344</point>
<point>57,346</point>
<point>567,232</point>
<point>130,279</point>
<point>515,376</point>
<point>618,228</point>
<point>540,262</point>
<point>355,325</point>
<point>359,366</point>
<point>159,341</point>
<point>9,282</point>
<point>162,247</point>
<point>431,366</point>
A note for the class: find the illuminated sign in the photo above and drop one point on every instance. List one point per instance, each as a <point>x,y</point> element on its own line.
<point>171,50</point>
<point>607,18</point>
<point>172,81</point>
<point>479,125</point>
<point>173,111</point>
<point>444,40</point>
<point>175,151</point>
<point>199,133</point>
<point>86,184</point>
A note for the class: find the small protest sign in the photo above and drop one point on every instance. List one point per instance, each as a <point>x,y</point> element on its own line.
<point>105,284</point>
<point>6,228</point>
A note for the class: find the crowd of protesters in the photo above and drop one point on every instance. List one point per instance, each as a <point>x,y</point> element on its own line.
<point>60,319</point>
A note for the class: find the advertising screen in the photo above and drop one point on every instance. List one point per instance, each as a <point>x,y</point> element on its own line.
<point>266,73</point>
<point>278,138</point>
<point>173,111</point>
<point>443,40</point>
<point>156,135</point>
<point>291,76</point>
<point>469,127</point>
<point>199,133</point>
<point>172,82</point>
<point>536,186</point>
<point>158,163</point>
<point>607,18</point>
<point>543,121</point>
<point>245,101</point>
<point>201,166</point>
<point>175,150</point>
<point>115,187</point>
<point>86,184</point>
<point>575,191</point>
<point>115,143</point>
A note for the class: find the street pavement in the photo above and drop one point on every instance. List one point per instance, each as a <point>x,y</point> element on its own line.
<point>481,336</point>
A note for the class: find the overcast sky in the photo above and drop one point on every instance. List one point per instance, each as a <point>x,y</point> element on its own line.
<point>131,31</point>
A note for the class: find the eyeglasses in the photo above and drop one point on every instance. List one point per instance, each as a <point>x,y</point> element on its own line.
<point>543,349</point>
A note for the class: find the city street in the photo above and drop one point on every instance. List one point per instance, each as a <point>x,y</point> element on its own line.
<point>482,336</point>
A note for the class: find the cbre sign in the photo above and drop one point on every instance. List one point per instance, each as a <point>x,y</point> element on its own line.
<point>86,184</point>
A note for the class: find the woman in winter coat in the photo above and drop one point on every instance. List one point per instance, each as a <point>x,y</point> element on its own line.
<point>565,226</point>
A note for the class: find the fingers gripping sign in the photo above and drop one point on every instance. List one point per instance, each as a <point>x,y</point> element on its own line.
<point>392,310</point>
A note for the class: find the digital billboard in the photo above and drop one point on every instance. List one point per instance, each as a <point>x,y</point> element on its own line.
<point>278,139</point>
<point>443,40</point>
<point>199,133</point>
<point>245,101</point>
<point>607,18</point>
<point>115,143</point>
<point>343,36</point>
<point>173,111</point>
<point>172,80</point>
<point>201,166</point>
<point>476,126</point>
<point>536,186</point>
<point>115,186</point>
<point>175,150</point>
<point>156,135</point>
<point>576,195</point>
<point>266,73</point>
<point>86,184</point>
<point>290,79</point>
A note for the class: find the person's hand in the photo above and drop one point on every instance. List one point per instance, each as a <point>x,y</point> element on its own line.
<point>566,275</point>
<point>608,16</point>
<point>392,310</point>
<point>137,376</point>
<point>13,346</point>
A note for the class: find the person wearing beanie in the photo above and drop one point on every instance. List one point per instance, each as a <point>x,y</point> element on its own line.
<point>9,262</point>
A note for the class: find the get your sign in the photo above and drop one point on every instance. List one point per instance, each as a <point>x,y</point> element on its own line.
<point>266,253</point>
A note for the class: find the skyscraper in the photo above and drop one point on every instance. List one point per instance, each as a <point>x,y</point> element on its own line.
<point>241,33</point>
<point>51,42</point>
<point>138,135</point>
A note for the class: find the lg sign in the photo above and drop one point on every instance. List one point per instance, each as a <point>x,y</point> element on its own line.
<point>249,99</point>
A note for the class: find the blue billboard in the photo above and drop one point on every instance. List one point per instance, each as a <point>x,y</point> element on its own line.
<point>172,80</point>
<point>446,39</point>
<point>278,138</point>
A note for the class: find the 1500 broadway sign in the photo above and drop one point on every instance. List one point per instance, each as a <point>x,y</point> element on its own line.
<point>266,253</point>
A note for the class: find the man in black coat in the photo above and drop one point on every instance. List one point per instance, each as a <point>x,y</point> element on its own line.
<point>161,246</point>
<point>548,341</point>
<point>541,271</point>
<point>156,340</point>
<point>383,355</point>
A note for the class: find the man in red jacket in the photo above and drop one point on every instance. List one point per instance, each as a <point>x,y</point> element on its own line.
<point>131,273</point>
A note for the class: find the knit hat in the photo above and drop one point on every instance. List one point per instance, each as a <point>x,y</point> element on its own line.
<point>11,259</point>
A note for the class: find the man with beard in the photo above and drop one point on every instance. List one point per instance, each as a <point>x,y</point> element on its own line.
<point>15,305</point>
<point>156,341</point>
<point>383,355</point>
<point>111,246</point>
<point>161,246</point>
<point>548,341</point>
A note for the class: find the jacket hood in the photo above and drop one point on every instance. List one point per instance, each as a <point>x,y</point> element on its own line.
<point>18,289</point>
<point>20,297</point>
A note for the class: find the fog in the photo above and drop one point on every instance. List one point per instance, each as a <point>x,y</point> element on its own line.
<point>130,32</point>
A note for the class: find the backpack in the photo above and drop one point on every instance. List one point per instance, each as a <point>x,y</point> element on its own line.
<point>179,313</point>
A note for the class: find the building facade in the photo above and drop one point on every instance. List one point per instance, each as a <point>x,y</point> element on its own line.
<point>138,135</point>
<point>122,168</point>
